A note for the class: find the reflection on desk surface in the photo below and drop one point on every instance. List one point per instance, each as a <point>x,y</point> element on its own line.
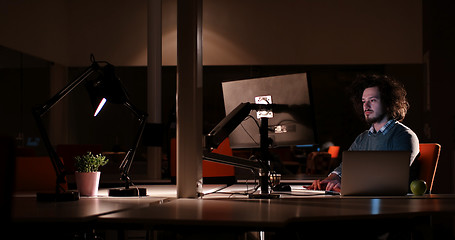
<point>225,204</point>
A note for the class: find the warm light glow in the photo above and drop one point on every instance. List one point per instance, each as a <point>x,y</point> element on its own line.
<point>100,106</point>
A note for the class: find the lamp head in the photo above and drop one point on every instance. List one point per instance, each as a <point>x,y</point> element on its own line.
<point>105,87</point>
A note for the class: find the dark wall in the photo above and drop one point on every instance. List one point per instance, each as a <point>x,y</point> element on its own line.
<point>27,81</point>
<point>24,81</point>
<point>439,48</point>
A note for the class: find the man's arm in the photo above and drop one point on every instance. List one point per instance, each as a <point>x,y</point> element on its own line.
<point>333,181</point>
<point>337,170</point>
<point>407,141</point>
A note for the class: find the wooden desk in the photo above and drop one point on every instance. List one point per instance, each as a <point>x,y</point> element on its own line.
<point>308,216</point>
<point>223,215</point>
<point>66,220</point>
<point>27,210</point>
<point>278,213</point>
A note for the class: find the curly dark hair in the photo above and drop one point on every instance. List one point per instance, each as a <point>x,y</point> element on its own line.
<point>392,93</point>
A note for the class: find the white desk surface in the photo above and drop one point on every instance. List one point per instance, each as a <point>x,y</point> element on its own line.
<point>226,208</point>
<point>27,209</point>
<point>275,214</point>
<point>230,207</point>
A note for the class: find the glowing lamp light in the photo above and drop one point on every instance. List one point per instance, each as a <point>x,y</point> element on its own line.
<point>100,106</point>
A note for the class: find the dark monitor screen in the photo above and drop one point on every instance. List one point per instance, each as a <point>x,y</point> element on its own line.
<point>289,127</point>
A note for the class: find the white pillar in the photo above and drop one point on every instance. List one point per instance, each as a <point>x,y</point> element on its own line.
<point>189,98</point>
<point>154,36</point>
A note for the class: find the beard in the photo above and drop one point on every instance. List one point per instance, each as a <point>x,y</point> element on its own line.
<point>372,120</point>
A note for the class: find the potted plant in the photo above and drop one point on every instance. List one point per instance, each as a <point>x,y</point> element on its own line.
<point>87,174</point>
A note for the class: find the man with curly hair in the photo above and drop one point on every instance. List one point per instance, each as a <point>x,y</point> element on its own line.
<point>381,100</point>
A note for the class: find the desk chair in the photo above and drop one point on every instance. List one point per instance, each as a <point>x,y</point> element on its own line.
<point>213,169</point>
<point>209,169</point>
<point>323,162</point>
<point>334,154</point>
<point>34,174</point>
<point>428,162</point>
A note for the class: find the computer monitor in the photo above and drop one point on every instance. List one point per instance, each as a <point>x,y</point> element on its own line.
<point>291,126</point>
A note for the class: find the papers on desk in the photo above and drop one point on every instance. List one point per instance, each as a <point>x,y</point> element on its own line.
<point>299,190</point>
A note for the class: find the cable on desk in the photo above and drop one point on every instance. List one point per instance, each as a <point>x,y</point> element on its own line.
<point>137,190</point>
<point>255,180</point>
<point>216,191</point>
<point>243,193</point>
<point>246,193</point>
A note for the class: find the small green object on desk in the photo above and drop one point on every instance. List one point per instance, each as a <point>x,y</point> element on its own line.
<point>418,187</point>
<point>90,162</point>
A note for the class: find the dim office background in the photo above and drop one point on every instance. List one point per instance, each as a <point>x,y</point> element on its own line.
<point>46,43</point>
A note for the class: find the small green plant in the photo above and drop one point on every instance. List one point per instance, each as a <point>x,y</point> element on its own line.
<point>90,162</point>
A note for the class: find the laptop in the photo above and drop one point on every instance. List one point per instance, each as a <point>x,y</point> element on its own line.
<point>375,173</point>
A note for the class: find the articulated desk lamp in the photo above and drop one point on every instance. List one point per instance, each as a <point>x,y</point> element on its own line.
<point>103,86</point>
<point>227,125</point>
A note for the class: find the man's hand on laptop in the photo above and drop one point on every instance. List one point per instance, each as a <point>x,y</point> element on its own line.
<point>331,183</point>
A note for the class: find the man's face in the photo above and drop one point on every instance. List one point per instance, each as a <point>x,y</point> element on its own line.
<point>372,106</point>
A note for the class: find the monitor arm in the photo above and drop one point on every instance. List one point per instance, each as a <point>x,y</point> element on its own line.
<point>222,130</point>
<point>226,126</point>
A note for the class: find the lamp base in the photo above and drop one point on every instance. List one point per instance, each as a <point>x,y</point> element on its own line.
<point>130,192</point>
<point>57,197</point>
